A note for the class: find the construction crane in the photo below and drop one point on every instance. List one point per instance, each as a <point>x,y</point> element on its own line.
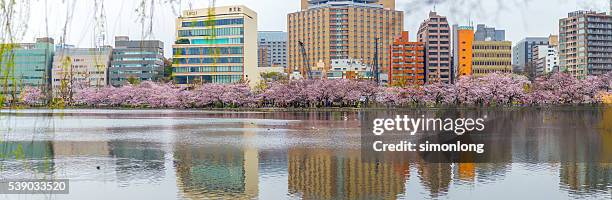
<point>375,70</point>
<point>305,59</point>
<point>100,24</point>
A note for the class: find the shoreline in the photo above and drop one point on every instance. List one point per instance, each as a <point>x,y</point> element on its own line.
<point>327,109</point>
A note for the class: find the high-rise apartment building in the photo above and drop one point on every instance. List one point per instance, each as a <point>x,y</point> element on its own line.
<point>435,34</point>
<point>26,64</point>
<point>141,60</point>
<point>340,30</point>
<point>585,43</point>
<point>463,38</point>
<point>216,45</point>
<point>491,57</point>
<point>407,65</point>
<point>484,33</point>
<point>272,49</point>
<point>522,52</point>
<point>78,68</point>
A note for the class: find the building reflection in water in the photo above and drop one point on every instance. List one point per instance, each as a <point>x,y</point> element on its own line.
<point>138,161</point>
<point>466,172</point>
<point>81,149</point>
<point>329,174</point>
<point>595,174</point>
<point>218,171</point>
<point>605,127</point>
<point>436,177</point>
<point>35,158</point>
<point>228,171</point>
<point>84,160</point>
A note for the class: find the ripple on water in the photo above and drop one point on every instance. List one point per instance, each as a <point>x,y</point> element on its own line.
<point>248,155</point>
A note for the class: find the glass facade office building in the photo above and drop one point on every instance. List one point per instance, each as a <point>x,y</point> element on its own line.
<point>216,45</point>
<point>26,64</point>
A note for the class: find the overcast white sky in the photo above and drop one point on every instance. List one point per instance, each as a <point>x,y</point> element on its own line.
<point>520,18</point>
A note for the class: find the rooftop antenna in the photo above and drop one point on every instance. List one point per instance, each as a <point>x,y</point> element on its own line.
<point>470,20</point>
<point>435,4</point>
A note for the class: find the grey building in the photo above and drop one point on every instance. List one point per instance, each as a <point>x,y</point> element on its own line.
<point>272,48</point>
<point>139,59</point>
<point>484,33</point>
<point>522,52</point>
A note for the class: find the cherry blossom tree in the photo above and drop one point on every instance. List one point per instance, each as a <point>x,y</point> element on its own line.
<point>564,89</point>
<point>440,94</point>
<point>503,89</point>
<point>491,90</point>
<point>32,96</point>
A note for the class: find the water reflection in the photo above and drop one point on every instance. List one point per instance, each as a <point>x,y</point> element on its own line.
<point>588,178</point>
<point>585,178</point>
<point>218,171</point>
<point>138,160</point>
<point>313,155</point>
<point>327,174</point>
<point>26,159</point>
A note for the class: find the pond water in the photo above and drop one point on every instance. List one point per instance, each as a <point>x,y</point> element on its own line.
<point>168,154</point>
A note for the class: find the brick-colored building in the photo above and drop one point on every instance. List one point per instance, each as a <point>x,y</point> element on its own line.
<point>435,33</point>
<point>407,62</point>
<point>332,30</point>
<point>262,56</point>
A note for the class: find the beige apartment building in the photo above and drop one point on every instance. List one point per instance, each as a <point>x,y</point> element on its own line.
<point>435,34</point>
<point>78,68</point>
<point>339,30</point>
<point>491,57</point>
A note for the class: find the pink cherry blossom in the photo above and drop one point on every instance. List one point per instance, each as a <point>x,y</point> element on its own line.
<point>32,96</point>
<point>491,90</point>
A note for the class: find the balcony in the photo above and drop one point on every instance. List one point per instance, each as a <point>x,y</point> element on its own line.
<point>602,38</point>
<point>603,44</point>
<point>599,32</point>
